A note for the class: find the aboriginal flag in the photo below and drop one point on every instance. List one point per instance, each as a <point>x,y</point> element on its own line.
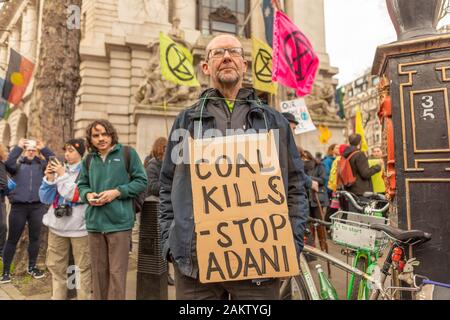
<point>18,77</point>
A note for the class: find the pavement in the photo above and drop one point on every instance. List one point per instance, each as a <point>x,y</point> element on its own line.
<point>338,278</point>
<point>10,292</point>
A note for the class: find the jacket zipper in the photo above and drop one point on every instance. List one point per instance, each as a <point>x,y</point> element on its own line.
<point>31,180</point>
<point>229,115</point>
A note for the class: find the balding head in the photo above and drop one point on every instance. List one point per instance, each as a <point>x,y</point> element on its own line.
<point>224,62</point>
<point>221,40</point>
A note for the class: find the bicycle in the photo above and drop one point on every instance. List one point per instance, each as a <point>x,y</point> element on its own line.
<point>302,286</point>
<point>366,247</point>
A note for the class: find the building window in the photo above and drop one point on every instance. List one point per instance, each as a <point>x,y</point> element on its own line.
<point>359,82</point>
<point>375,80</point>
<point>223,16</point>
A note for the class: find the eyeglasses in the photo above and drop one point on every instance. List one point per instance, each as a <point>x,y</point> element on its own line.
<point>220,52</point>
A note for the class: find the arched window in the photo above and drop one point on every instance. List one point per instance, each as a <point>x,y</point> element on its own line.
<point>223,16</point>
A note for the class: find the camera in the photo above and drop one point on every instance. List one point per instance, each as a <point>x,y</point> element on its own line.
<point>63,210</point>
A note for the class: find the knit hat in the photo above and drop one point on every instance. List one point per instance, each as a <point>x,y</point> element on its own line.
<point>78,144</point>
<point>290,117</point>
<point>342,148</point>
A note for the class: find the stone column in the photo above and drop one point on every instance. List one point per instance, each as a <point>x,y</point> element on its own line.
<point>186,10</point>
<point>257,22</point>
<point>29,32</point>
<point>3,56</point>
<point>14,40</point>
<point>309,16</point>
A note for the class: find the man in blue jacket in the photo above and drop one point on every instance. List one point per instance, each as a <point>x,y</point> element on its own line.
<point>224,106</point>
<point>27,171</point>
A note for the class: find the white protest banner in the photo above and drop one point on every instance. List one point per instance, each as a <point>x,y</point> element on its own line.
<point>300,111</point>
<point>240,209</point>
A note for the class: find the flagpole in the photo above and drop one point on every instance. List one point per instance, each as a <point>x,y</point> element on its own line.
<point>276,5</point>
<point>165,116</point>
<point>248,17</point>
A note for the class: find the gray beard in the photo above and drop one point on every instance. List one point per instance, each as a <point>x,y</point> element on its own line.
<point>228,81</point>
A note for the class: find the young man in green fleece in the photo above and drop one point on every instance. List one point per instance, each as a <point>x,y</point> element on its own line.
<point>109,190</point>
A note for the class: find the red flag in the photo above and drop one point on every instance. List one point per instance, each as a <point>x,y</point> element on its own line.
<point>294,62</point>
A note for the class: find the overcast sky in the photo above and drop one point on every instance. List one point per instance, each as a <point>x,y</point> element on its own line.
<point>354,29</point>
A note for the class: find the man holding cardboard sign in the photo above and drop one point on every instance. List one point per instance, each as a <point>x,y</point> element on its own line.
<point>233,205</point>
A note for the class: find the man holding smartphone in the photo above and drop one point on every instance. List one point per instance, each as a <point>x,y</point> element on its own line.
<point>109,188</point>
<point>27,171</point>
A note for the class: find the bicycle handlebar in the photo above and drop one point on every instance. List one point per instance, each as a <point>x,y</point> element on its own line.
<point>314,220</point>
<point>351,198</point>
<point>384,209</point>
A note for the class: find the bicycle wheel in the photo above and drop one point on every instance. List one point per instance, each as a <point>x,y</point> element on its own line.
<point>294,288</point>
<point>359,285</point>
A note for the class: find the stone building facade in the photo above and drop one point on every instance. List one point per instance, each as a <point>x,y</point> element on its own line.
<point>119,51</point>
<point>19,29</point>
<point>363,92</point>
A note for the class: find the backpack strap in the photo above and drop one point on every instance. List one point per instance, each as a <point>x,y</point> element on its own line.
<point>352,154</point>
<point>88,162</point>
<point>126,154</point>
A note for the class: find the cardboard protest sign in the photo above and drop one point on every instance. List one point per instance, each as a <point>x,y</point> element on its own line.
<point>240,209</point>
<point>300,111</point>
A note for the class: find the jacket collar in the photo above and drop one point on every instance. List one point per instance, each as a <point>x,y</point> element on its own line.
<point>214,96</point>
<point>349,150</point>
<point>27,161</point>
<point>74,167</point>
<point>117,147</point>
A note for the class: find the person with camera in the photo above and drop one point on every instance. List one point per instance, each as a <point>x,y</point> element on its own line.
<point>27,171</point>
<point>66,222</point>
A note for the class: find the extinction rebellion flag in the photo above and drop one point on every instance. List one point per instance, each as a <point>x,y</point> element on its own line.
<point>18,77</point>
<point>262,67</point>
<point>176,62</point>
<point>294,62</point>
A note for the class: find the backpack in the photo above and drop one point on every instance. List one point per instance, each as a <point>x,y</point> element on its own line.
<point>138,201</point>
<point>345,175</point>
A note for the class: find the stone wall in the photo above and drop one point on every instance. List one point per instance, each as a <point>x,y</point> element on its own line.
<point>114,55</point>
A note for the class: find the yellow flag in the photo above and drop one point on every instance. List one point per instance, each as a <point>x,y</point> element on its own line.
<point>325,134</point>
<point>262,67</point>
<point>360,130</point>
<point>176,62</point>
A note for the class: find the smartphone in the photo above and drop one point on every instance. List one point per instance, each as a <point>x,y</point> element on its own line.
<point>53,159</point>
<point>94,199</point>
<point>31,143</point>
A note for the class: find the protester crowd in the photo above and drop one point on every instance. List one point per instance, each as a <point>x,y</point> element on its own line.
<point>89,199</point>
